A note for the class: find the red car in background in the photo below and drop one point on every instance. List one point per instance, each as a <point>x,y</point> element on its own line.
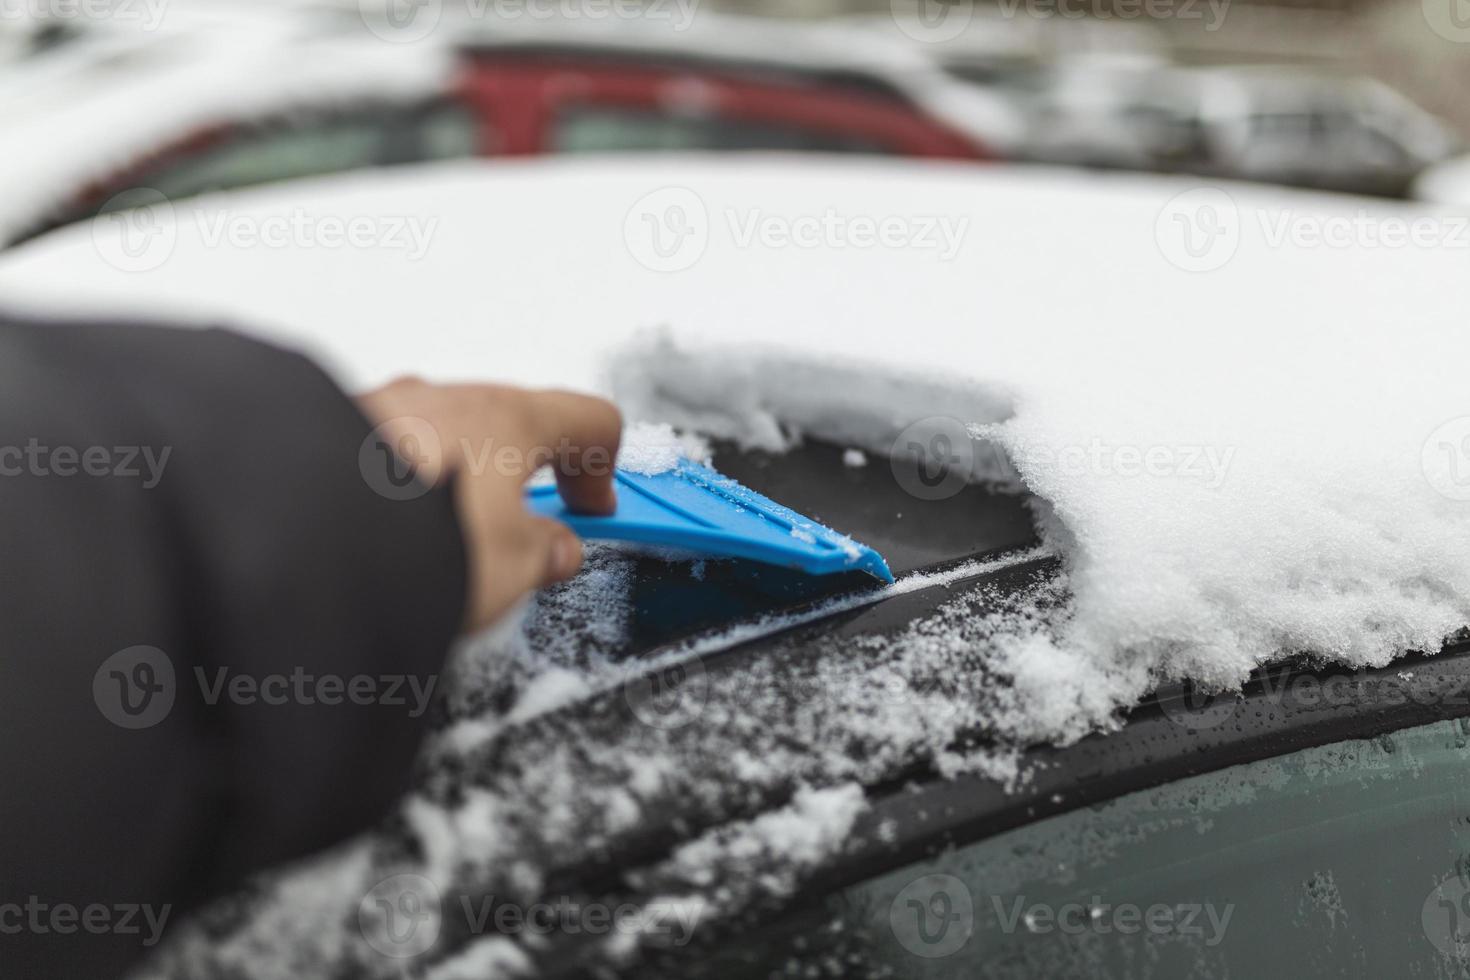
<point>517,102</point>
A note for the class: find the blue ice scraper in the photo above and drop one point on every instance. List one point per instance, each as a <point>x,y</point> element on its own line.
<point>694,509</point>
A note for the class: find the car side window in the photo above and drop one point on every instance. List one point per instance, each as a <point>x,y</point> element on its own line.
<point>610,129</point>
<point>1351,859</point>
<point>292,148</point>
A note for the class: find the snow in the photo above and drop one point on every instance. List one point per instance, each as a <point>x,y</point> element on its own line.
<point>799,837</point>
<point>483,960</point>
<point>1447,182</point>
<point>651,448</point>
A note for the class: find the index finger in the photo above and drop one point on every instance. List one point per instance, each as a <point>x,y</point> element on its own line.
<point>583,433</point>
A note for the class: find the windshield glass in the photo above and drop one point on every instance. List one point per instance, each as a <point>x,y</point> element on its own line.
<point>1342,860</point>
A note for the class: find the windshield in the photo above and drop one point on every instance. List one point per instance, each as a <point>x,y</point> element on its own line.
<point>1342,860</point>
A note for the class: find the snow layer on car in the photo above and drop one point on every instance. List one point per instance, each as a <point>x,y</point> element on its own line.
<point>759,767</point>
<point>1258,457</point>
<point>651,448</point>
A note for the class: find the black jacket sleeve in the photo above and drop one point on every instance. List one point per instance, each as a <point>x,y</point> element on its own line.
<point>217,639</point>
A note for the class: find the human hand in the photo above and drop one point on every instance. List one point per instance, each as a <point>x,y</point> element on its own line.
<point>490,439</point>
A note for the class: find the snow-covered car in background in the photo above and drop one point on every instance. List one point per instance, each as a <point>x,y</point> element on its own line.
<point>496,90</point>
<point>1293,127</point>
<point>1127,113</point>
<point>1317,129</point>
<point>1008,764</point>
<point>1109,93</point>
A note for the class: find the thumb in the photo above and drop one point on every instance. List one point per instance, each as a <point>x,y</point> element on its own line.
<point>556,555</point>
<point>528,553</point>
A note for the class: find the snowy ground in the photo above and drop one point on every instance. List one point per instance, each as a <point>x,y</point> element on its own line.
<point>1245,410</point>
